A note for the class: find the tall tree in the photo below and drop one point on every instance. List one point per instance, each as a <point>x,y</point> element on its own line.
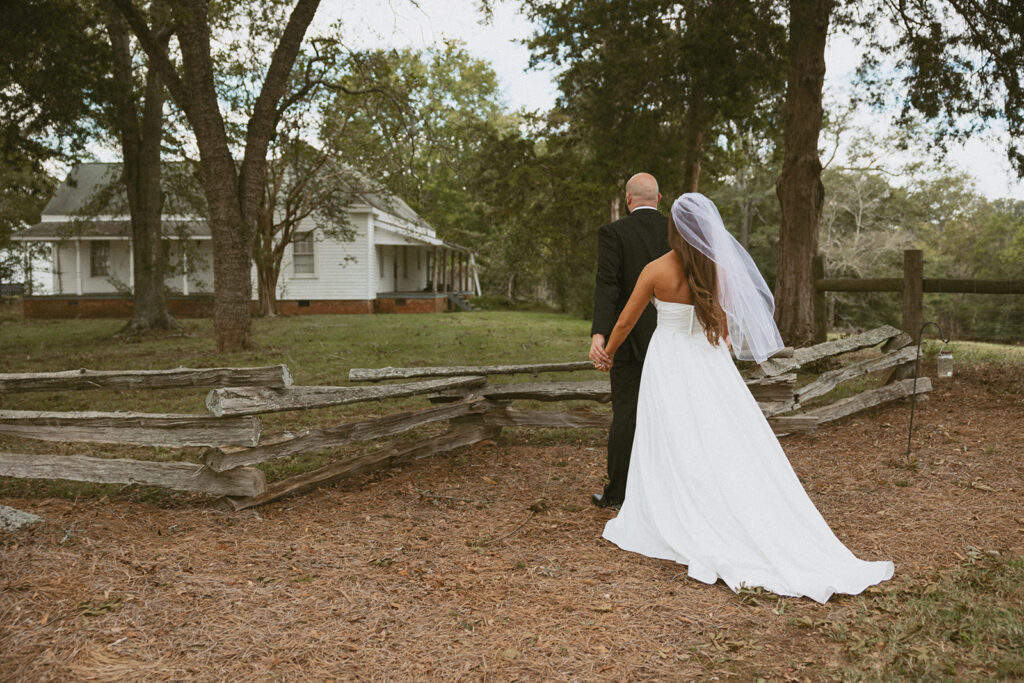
<point>233,191</point>
<point>139,125</point>
<point>303,183</point>
<point>422,119</point>
<point>71,75</point>
<point>24,190</point>
<point>959,64</point>
<point>645,83</point>
<point>799,188</point>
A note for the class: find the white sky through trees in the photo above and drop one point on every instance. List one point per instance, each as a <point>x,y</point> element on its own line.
<point>422,23</point>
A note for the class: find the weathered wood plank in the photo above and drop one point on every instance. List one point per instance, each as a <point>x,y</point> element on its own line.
<point>598,390</point>
<point>770,408</point>
<point>793,424</point>
<point>869,399</point>
<point>809,354</point>
<point>272,376</point>
<point>765,388</point>
<point>584,419</point>
<point>828,381</point>
<point>308,440</point>
<point>456,437</point>
<point>256,400</point>
<point>377,374</point>
<point>181,476</point>
<point>897,342</point>
<point>511,417</point>
<point>143,429</point>
<point>777,388</point>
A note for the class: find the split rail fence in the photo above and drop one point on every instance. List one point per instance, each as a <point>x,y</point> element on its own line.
<point>475,409</point>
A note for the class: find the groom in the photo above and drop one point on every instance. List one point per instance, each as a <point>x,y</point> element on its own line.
<point>624,247</point>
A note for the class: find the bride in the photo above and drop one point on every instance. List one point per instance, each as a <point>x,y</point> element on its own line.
<point>709,486</point>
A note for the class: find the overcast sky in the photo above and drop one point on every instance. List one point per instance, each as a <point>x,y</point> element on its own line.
<point>401,23</point>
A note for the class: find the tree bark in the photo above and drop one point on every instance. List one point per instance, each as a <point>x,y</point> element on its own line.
<point>141,174</point>
<point>266,278</point>
<point>799,188</point>
<point>694,143</point>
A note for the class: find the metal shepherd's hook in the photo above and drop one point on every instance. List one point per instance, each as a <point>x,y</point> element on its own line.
<point>917,364</point>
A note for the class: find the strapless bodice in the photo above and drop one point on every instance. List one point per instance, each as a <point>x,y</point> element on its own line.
<point>677,317</point>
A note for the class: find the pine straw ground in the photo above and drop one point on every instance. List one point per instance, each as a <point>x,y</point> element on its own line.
<point>488,564</point>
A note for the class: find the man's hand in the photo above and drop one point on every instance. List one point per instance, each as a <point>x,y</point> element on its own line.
<point>600,359</point>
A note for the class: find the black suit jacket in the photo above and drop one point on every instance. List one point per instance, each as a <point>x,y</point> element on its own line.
<point>623,249</point>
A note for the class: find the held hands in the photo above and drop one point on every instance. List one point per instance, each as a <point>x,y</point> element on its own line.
<point>598,356</point>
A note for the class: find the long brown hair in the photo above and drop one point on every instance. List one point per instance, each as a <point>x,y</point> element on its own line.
<point>702,276</point>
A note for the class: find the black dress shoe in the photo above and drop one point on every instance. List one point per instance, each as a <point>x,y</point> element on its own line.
<point>600,501</point>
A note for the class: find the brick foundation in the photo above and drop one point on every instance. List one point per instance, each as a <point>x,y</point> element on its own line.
<point>315,307</point>
<point>417,305</point>
<point>202,307</point>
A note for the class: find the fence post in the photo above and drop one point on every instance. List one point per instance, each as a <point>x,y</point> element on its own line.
<point>913,291</point>
<point>820,306</point>
<point>913,305</point>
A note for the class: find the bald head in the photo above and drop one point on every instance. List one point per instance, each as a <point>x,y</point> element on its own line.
<point>642,190</point>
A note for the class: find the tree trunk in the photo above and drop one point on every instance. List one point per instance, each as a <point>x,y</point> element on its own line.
<point>799,188</point>
<point>691,157</point>
<point>746,221</point>
<point>141,175</point>
<point>266,276</point>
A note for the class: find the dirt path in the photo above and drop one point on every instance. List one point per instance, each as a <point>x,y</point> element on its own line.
<point>441,569</point>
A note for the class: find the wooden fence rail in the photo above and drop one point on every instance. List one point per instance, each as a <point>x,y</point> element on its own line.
<point>142,429</point>
<point>259,400</point>
<point>913,284</point>
<point>182,476</point>
<point>76,380</point>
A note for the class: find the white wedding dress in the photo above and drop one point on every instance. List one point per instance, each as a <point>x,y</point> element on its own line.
<point>710,487</point>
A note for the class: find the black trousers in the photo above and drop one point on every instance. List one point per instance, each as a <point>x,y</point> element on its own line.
<point>625,377</point>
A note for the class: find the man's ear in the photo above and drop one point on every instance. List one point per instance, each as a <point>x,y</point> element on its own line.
<point>659,198</point>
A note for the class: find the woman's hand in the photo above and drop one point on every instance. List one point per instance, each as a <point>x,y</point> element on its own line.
<point>598,356</point>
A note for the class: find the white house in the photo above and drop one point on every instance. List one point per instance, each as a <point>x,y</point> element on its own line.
<point>395,263</point>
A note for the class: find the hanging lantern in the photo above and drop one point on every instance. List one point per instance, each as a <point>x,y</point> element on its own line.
<point>944,365</point>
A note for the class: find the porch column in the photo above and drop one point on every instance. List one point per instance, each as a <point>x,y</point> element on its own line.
<point>476,277</point>
<point>131,265</point>
<point>56,264</point>
<point>78,266</point>
<point>184,269</point>
<point>450,280</point>
<point>433,270</point>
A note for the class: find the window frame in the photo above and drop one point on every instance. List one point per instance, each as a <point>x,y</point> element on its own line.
<point>105,270</point>
<point>304,238</point>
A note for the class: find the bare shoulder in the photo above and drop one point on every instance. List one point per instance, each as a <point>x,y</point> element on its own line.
<point>662,266</point>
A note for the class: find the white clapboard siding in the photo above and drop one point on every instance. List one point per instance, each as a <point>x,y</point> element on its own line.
<point>341,268</point>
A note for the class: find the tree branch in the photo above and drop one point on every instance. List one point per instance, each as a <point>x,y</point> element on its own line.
<point>155,47</point>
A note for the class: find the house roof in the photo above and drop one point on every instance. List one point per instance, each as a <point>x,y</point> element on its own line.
<point>49,231</point>
<point>82,194</point>
<point>82,182</point>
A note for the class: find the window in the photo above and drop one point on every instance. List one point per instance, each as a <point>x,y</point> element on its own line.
<point>99,258</point>
<point>302,253</point>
